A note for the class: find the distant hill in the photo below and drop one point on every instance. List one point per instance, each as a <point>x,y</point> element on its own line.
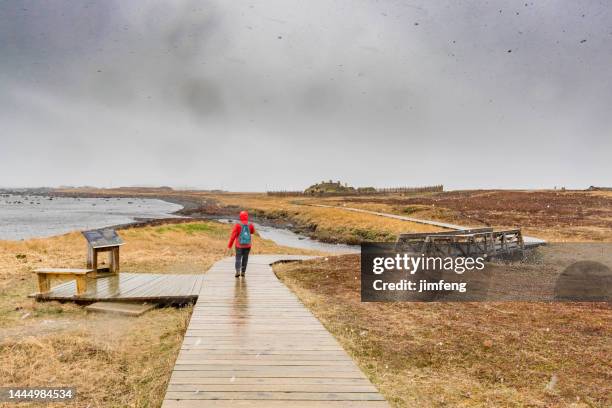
<point>326,187</point>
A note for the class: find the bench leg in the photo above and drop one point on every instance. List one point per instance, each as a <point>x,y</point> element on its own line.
<point>43,283</point>
<point>81,284</point>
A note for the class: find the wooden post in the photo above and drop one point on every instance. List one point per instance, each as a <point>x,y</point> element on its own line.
<point>81,284</point>
<point>44,285</point>
<point>111,266</point>
<point>113,260</point>
<point>117,260</point>
<point>89,256</point>
<point>94,261</point>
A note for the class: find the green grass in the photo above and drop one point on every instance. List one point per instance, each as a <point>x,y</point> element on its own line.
<point>194,228</point>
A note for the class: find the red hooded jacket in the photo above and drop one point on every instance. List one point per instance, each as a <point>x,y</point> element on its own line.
<point>244,219</point>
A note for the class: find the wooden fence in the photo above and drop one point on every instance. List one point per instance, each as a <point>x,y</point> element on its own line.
<point>360,192</point>
<point>404,190</point>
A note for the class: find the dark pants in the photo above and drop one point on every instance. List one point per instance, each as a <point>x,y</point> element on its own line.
<point>242,257</point>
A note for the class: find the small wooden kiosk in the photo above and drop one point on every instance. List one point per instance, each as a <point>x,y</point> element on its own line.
<point>103,240</point>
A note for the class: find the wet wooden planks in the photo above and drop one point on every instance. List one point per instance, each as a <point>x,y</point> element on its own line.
<point>155,288</point>
<point>123,308</point>
<point>251,343</point>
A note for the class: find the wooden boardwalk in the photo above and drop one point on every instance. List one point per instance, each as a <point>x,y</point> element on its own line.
<point>251,343</point>
<point>131,287</point>
<point>529,241</point>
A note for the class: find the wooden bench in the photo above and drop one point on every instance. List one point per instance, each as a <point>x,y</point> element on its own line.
<point>79,275</point>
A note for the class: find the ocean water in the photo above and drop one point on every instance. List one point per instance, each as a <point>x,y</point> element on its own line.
<point>28,216</point>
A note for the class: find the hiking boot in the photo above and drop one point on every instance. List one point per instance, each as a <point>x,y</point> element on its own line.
<point>242,274</point>
<point>237,274</point>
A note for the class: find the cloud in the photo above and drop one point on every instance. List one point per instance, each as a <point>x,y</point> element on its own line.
<point>370,92</point>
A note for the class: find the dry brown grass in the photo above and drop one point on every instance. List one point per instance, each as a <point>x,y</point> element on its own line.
<point>338,225</point>
<point>462,354</point>
<point>113,361</point>
<point>557,216</point>
<point>325,224</point>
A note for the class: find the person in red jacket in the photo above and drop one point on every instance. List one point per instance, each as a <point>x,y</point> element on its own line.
<point>242,236</point>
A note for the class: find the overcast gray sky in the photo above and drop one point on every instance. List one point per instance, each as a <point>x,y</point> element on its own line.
<point>254,95</point>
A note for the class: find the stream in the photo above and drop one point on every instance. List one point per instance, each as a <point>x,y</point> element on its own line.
<point>285,237</point>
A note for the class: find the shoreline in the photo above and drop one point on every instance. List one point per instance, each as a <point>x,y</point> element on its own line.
<point>135,220</point>
<point>201,208</point>
<point>192,210</point>
<point>199,205</point>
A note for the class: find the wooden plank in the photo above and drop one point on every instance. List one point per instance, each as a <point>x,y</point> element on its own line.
<point>266,348</point>
<point>60,271</point>
<point>271,367</point>
<point>271,395</point>
<point>252,343</point>
<point>187,355</point>
<point>268,374</point>
<point>128,309</point>
<point>272,381</point>
<point>266,353</point>
<point>295,387</point>
<point>261,362</point>
<point>186,403</point>
<point>131,287</point>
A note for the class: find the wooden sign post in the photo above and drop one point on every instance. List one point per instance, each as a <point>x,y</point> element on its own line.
<point>103,240</point>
